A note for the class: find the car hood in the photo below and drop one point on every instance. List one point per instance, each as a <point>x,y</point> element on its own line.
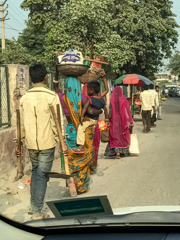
<point>121,216</point>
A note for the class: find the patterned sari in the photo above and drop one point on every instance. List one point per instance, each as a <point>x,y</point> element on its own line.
<point>78,163</point>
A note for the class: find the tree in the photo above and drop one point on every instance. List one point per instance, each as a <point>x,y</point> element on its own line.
<point>14,53</point>
<point>174,64</point>
<point>33,40</point>
<point>133,35</point>
<point>42,11</point>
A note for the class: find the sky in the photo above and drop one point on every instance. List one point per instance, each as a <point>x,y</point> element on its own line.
<point>15,22</point>
<point>16,19</point>
<point>176,7</point>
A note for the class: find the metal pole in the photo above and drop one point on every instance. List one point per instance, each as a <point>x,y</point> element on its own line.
<point>108,94</point>
<point>2,26</point>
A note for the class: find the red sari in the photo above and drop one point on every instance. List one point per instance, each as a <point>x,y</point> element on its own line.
<point>119,135</point>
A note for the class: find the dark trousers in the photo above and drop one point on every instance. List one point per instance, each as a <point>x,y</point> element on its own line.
<point>42,161</point>
<point>146,117</point>
<point>153,119</point>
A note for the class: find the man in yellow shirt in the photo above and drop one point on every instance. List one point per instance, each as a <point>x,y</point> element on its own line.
<point>147,108</point>
<point>39,132</point>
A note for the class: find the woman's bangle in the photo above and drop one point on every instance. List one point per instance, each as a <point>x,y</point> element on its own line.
<point>55,81</point>
<point>107,120</point>
<point>102,111</point>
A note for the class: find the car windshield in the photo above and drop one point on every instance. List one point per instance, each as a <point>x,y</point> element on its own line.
<point>84,107</point>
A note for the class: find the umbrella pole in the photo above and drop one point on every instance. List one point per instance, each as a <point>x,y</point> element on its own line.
<point>133,102</point>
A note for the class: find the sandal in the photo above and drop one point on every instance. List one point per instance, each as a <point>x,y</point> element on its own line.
<point>118,156</point>
<point>77,150</point>
<point>41,216</point>
<point>30,212</point>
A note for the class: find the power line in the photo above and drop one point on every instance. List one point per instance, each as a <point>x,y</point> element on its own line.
<point>17,21</point>
<point>16,8</point>
<point>16,13</point>
<point>13,28</point>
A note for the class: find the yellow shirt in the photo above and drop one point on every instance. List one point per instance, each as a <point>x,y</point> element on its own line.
<point>147,100</point>
<point>38,128</point>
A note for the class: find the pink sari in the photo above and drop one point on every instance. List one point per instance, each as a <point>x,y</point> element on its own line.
<point>119,134</point>
<point>97,137</point>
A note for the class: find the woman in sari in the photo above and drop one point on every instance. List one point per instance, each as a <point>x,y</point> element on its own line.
<point>72,103</point>
<point>121,120</point>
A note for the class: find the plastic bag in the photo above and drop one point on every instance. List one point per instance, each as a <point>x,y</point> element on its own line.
<point>134,147</point>
<point>97,66</point>
<point>102,125</point>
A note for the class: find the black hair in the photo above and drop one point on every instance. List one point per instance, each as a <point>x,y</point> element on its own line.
<point>146,87</point>
<point>157,86</point>
<point>151,86</point>
<point>37,72</point>
<point>94,85</point>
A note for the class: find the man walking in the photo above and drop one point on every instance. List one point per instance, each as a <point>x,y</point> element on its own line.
<point>39,132</point>
<point>155,103</point>
<point>147,103</point>
<point>158,107</point>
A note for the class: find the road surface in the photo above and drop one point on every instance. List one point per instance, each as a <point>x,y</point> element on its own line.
<point>152,178</point>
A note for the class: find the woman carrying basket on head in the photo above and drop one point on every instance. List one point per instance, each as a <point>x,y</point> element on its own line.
<point>78,164</point>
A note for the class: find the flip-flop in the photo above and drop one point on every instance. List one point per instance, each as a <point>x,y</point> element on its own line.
<point>41,216</point>
<point>76,150</point>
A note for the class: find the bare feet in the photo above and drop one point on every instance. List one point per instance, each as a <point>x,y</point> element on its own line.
<point>72,187</point>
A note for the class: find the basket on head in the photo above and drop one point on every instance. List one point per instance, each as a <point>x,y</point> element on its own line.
<point>89,76</point>
<point>72,69</point>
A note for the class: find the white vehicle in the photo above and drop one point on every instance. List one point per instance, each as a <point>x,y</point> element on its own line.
<point>177,91</point>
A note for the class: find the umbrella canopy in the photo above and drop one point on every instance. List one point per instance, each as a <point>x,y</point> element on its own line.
<point>133,80</point>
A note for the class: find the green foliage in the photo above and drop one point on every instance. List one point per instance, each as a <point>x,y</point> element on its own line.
<point>174,64</point>
<point>133,35</point>
<point>14,53</point>
<point>33,40</point>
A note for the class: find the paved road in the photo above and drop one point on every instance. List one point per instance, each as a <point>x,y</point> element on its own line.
<point>152,178</point>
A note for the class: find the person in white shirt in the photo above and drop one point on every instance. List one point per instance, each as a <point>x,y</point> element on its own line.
<point>147,103</point>
<point>155,103</point>
<point>166,91</point>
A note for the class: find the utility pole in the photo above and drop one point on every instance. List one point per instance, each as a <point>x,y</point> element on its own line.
<point>2,19</point>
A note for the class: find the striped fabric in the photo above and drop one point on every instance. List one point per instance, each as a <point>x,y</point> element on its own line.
<point>160,98</point>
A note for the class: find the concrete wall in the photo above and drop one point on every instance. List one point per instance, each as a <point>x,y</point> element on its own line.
<point>14,87</point>
<point>7,152</point>
<point>7,134</point>
<point>8,160</point>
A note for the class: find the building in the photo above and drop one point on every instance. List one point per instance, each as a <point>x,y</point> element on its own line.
<point>165,77</point>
